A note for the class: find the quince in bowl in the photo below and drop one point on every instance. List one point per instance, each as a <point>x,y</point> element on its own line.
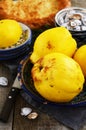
<point>15,39</point>
<point>50,74</point>
<point>55,79</point>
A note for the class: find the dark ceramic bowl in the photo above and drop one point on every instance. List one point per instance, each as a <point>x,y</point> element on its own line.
<point>26,82</point>
<point>79,35</point>
<point>17,51</point>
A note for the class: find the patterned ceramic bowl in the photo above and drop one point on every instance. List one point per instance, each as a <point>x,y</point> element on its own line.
<point>20,48</point>
<point>26,82</point>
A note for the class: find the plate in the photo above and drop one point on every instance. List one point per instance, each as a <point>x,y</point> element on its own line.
<point>35,14</point>
<point>26,82</point>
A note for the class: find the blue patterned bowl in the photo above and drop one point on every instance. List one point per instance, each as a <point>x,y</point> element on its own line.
<point>26,82</point>
<point>17,51</point>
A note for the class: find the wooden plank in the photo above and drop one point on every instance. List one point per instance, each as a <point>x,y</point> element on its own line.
<point>4,71</point>
<point>43,122</point>
<point>7,126</point>
<point>79,3</point>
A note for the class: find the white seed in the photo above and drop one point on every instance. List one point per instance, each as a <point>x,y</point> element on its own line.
<point>77,28</point>
<point>32,115</point>
<point>3,81</point>
<point>70,13</point>
<point>83,28</point>
<point>65,24</point>
<point>84,20</point>
<point>72,24</point>
<point>25,111</point>
<point>78,22</point>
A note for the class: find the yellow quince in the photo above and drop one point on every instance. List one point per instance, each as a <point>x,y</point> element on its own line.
<point>57,39</point>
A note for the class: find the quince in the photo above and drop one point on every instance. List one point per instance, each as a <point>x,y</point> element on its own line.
<point>10,32</point>
<point>56,39</point>
<point>80,56</point>
<point>57,77</point>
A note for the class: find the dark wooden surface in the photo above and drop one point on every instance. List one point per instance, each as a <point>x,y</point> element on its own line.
<point>18,122</point>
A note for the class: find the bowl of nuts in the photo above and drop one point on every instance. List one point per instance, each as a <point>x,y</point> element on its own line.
<point>14,44</point>
<point>74,19</point>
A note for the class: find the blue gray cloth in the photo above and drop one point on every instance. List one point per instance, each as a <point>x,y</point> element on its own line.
<point>72,117</point>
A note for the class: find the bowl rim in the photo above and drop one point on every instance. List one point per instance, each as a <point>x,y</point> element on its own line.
<point>24,27</point>
<point>66,9</point>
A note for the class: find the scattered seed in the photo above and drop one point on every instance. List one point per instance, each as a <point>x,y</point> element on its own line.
<point>25,111</point>
<point>32,115</point>
<point>3,81</point>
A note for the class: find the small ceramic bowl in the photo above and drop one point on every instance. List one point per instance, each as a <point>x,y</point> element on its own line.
<point>74,19</point>
<point>20,49</point>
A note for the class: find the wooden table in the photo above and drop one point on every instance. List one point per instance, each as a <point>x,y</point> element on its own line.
<point>16,121</point>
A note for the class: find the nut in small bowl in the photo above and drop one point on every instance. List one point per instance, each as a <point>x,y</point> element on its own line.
<point>74,19</point>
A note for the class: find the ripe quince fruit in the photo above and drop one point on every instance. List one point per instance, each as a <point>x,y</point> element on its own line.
<point>56,39</point>
<point>80,56</point>
<point>57,77</point>
<point>10,32</point>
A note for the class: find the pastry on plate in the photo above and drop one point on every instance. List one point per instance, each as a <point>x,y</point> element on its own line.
<point>35,13</point>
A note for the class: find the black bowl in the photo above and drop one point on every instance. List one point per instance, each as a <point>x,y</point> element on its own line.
<point>26,82</point>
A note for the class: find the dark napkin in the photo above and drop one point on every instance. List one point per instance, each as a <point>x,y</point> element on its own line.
<point>72,117</point>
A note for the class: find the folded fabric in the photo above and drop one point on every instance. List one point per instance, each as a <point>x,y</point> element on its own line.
<point>73,117</point>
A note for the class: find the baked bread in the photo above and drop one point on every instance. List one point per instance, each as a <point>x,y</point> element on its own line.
<point>35,13</point>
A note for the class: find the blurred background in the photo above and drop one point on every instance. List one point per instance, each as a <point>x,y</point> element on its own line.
<point>79,3</point>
